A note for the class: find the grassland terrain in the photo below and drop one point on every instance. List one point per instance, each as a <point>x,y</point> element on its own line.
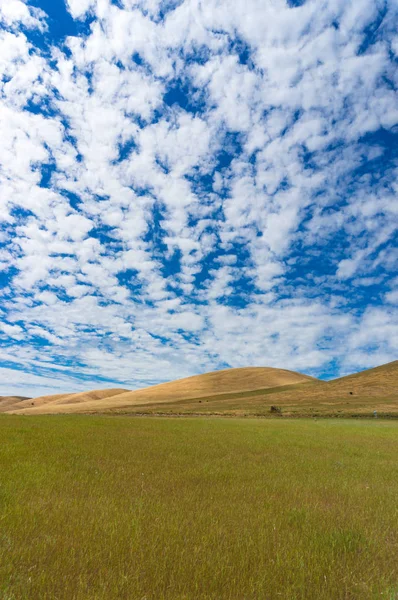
<point>8,402</point>
<point>216,383</point>
<point>61,402</point>
<point>237,392</point>
<point>357,395</point>
<point>114,508</point>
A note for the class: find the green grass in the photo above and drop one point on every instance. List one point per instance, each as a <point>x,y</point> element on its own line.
<point>123,508</point>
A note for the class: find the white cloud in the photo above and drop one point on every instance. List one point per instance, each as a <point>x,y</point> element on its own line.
<point>16,12</point>
<point>152,241</point>
<point>78,8</point>
<point>14,331</point>
<point>392,297</point>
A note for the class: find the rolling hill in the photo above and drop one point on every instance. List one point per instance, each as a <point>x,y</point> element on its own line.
<point>58,403</point>
<point>236,392</point>
<point>217,383</point>
<point>6,402</point>
<point>356,395</point>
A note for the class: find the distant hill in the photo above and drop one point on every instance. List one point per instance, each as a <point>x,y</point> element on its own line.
<point>58,403</point>
<point>247,391</point>
<point>198,386</point>
<point>379,382</point>
<point>8,401</point>
<point>357,394</point>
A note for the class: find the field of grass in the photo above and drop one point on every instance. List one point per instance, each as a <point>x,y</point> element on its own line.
<point>120,508</point>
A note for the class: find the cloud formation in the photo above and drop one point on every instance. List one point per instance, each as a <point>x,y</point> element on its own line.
<point>188,186</point>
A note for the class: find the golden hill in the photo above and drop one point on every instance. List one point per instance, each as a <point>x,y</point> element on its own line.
<point>379,382</point>
<point>353,395</point>
<point>216,383</point>
<point>373,383</point>
<point>57,402</point>
<point>8,401</point>
<point>247,391</point>
<point>357,394</point>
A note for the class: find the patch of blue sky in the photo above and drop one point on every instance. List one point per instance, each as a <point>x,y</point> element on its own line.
<point>7,274</point>
<point>240,47</point>
<point>108,237</point>
<point>61,294</point>
<point>296,3</point>
<point>46,171</point>
<point>241,293</point>
<point>20,213</point>
<point>328,370</point>
<point>137,62</point>
<point>170,263</point>
<point>373,31</point>
<point>125,149</point>
<point>60,23</point>
<point>74,200</point>
<point>182,95</point>
<point>380,154</point>
<point>128,278</point>
<point>40,106</point>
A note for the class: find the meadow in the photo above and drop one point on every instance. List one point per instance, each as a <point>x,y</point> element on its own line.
<point>182,509</point>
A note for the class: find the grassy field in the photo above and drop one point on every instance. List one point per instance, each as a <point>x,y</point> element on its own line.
<point>123,508</point>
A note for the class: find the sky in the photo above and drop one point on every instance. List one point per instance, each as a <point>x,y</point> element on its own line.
<point>193,185</point>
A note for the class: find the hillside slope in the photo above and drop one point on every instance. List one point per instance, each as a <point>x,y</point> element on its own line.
<point>354,395</point>
<point>247,391</point>
<point>379,382</point>
<point>6,402</point>
<point>216,383</point>
<point>54,402</point>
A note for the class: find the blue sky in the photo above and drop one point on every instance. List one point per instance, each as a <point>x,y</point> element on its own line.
<point>187,186</point>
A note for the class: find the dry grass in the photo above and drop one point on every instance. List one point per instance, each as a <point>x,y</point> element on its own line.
<point>241,392</point>
<point>7,402</point>
<point>354,395</point>
<point>97,508</point>
<point>218,382</point>
<point>59,403</point>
